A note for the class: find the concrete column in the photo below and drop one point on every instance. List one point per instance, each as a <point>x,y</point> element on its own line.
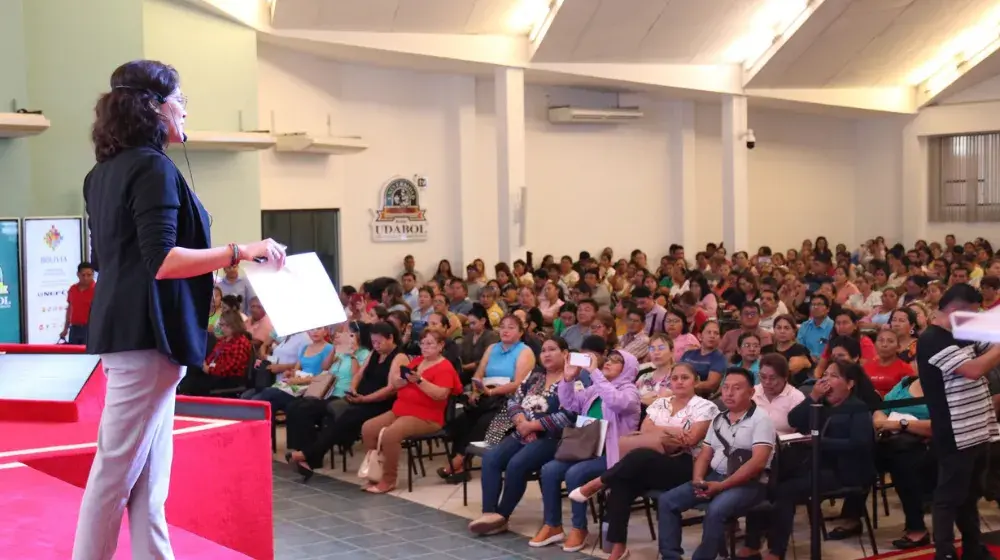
<point>735,177</point>
<point>509,100</point>
<point>682,202</point>
<point>471,197</point>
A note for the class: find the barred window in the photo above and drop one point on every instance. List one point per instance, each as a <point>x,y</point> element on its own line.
<point>964,178</point>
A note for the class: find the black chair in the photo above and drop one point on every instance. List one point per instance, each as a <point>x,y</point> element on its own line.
<point>414,446</point>
<point>843,493</point>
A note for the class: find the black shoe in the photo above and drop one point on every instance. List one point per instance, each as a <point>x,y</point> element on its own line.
<point>458,478</point>
<point>905,543</point>
<point>306,473</point>
<point>841,533</point>
<point>981,553</point>
<point>288,457</point>
<point>444,473</point>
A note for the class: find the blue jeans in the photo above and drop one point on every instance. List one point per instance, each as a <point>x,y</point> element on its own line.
<point>77,334</point>
<point>575,474</point>
<point>726,505</point>
<point>506,467</point>
<point>278,398</point>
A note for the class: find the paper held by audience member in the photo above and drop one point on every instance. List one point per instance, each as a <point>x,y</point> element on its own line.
<point>982,327</point>
<point>298,297</point>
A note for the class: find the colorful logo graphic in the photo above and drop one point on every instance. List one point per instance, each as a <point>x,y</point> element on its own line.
<point>53,238</point>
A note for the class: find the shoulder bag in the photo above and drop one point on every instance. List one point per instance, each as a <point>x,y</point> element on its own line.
<point>320,385</point>
<point>371,465</point>
<point>579,444</point>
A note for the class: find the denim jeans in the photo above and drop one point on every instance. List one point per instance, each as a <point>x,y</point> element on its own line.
<point>575,474</point>
<point>726,505</point>
<point>506,467</point>
<point>278,398</point>
<point>77,334</point>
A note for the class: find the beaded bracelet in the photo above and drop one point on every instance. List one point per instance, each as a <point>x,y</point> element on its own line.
<point>235,260</point>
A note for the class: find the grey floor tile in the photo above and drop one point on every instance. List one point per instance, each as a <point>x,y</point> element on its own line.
<point>374,540</point>
<point>417,534</point>
<point>297,512</point>
<point>321,522</point>
<point>401,550</point>
<point>352,555</point>
<point>447,542</point>
<point>479,551</point>
<point>347,530</point>
<point>393,523</point>
<point>320,550</point>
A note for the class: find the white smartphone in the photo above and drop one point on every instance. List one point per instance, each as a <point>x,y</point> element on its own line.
<point>579,359</point>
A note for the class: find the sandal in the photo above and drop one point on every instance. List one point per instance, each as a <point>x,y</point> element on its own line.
<point>374,489</point>
<point>841,533</point>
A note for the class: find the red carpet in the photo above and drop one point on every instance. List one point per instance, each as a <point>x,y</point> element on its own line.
<point>34,522</point>
<point>220,489</point>
<point>921,554</point>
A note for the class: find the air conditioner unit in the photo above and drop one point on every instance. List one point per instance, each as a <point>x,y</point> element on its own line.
<point>570,115</point>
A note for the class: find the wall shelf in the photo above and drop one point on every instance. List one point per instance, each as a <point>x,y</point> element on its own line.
<point>216,141</point>
<point>18,125</point>
<point>322,145</point>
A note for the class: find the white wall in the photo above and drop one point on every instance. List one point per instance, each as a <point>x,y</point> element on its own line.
<point>404,116</point>
<point>588,186</point>
<point>803,176</point>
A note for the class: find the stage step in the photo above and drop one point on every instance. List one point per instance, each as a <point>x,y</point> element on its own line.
<point>38,515</point>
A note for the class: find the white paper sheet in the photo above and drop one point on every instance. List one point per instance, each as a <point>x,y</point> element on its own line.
<point>298,297</point>
<point>983,327</point>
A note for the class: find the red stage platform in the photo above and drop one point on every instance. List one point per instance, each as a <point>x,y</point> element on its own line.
<point>220,491</point>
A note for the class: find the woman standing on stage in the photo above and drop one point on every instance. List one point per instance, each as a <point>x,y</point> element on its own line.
<point>151,244</point>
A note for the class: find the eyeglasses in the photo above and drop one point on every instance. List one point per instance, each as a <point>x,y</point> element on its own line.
<point>616,359</point>
<point>181,100</point>
<point>751,346</point>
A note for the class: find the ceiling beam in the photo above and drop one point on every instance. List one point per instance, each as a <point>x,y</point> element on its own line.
<point>880,99</point>
<point>793,42</point>
<point>959,74</point>
<point>721,78</point>
<point>543,29</point>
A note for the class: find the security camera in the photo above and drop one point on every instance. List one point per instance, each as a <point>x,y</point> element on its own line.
<point>751,139</point>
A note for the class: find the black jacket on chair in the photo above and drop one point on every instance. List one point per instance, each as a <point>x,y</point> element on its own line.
<point>140,207</point>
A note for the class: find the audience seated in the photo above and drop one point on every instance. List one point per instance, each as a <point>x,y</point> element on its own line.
<point>259,324</point>
<point>659,456</point>
<point>729,472</point>
<point>423,388</point>
<point>847,460</point>
<point>371,395</point>
<point>611,397</point>
<point>504,366</point>
<point>775,394</point>
<point>887,369</point>
<point>903,448</point>
<point>800,364</point>
<point>749,323</point>
<point>678,331</point>
<point>226,366</point>
<point>748,354</point>
<point>656,383</point>
<point>314,359</point>
<point>537,419</point>
<point>708,361</point>
<point>634,341</point>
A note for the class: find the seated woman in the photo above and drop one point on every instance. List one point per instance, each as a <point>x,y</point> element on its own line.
<point>904,433</point>
<point>454,324</point>
<point>879,316</point>
<point>904,323</point>
<point>634,340</point>
<point>747,354</point>
<point>476,340</point>
<point>774,394</point>
<point>259,325</point>
<point>887,369</point>
<point>503,368</point>
<point>612,397</point>
<point>847,459</point>
<point>604,327</point>
<point>800,363</point>
<point>423,388</point>
<point>676,325</point>
<point>655,384</point>
<point>231,303</point>
<point>215,311</point>
<point>534,410</point>
<point>370,395</point>
<point>708,361</point>
<point>314,359</point>
<point>303,417</point>
<point>672,432</point>
<point>226,366</point>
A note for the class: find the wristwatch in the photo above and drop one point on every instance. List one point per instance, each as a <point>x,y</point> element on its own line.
<point>904,424</point>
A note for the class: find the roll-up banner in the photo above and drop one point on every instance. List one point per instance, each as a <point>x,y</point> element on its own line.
<point>10,280</point>
<point>52,249</point>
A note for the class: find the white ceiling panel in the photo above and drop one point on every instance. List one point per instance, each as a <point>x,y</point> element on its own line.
<point>617,28</point>
<point>432,16</point>
<point>356,15</point>
<point>490,17</point>
<point>565,31</point>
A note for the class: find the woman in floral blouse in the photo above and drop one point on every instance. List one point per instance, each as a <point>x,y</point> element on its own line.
<point>538,422</point>
<point>656,383</point>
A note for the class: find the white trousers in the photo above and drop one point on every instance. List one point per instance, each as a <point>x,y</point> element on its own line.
<point>135,447</point>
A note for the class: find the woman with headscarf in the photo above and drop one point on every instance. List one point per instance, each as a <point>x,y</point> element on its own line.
<point>613,397</point>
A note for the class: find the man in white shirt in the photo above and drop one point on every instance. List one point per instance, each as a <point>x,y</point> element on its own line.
<point>410,293</point>
<point>768,309</point>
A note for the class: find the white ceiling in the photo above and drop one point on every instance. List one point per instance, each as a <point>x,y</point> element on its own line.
<point>474,17</point>
<point>829,52</point>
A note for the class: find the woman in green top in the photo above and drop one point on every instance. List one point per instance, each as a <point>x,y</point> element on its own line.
<point>216,309</point>
<point>350,356</point>
<point>903,436</point>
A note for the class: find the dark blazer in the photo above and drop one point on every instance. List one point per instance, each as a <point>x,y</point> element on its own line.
<point>140,207</point>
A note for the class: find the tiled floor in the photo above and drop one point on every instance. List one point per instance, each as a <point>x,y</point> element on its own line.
<point>331,518</point>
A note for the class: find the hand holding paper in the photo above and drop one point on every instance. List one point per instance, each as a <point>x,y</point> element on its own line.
<point>297,297</point>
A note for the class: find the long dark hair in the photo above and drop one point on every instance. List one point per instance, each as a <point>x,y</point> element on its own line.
<point>128,116</point>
